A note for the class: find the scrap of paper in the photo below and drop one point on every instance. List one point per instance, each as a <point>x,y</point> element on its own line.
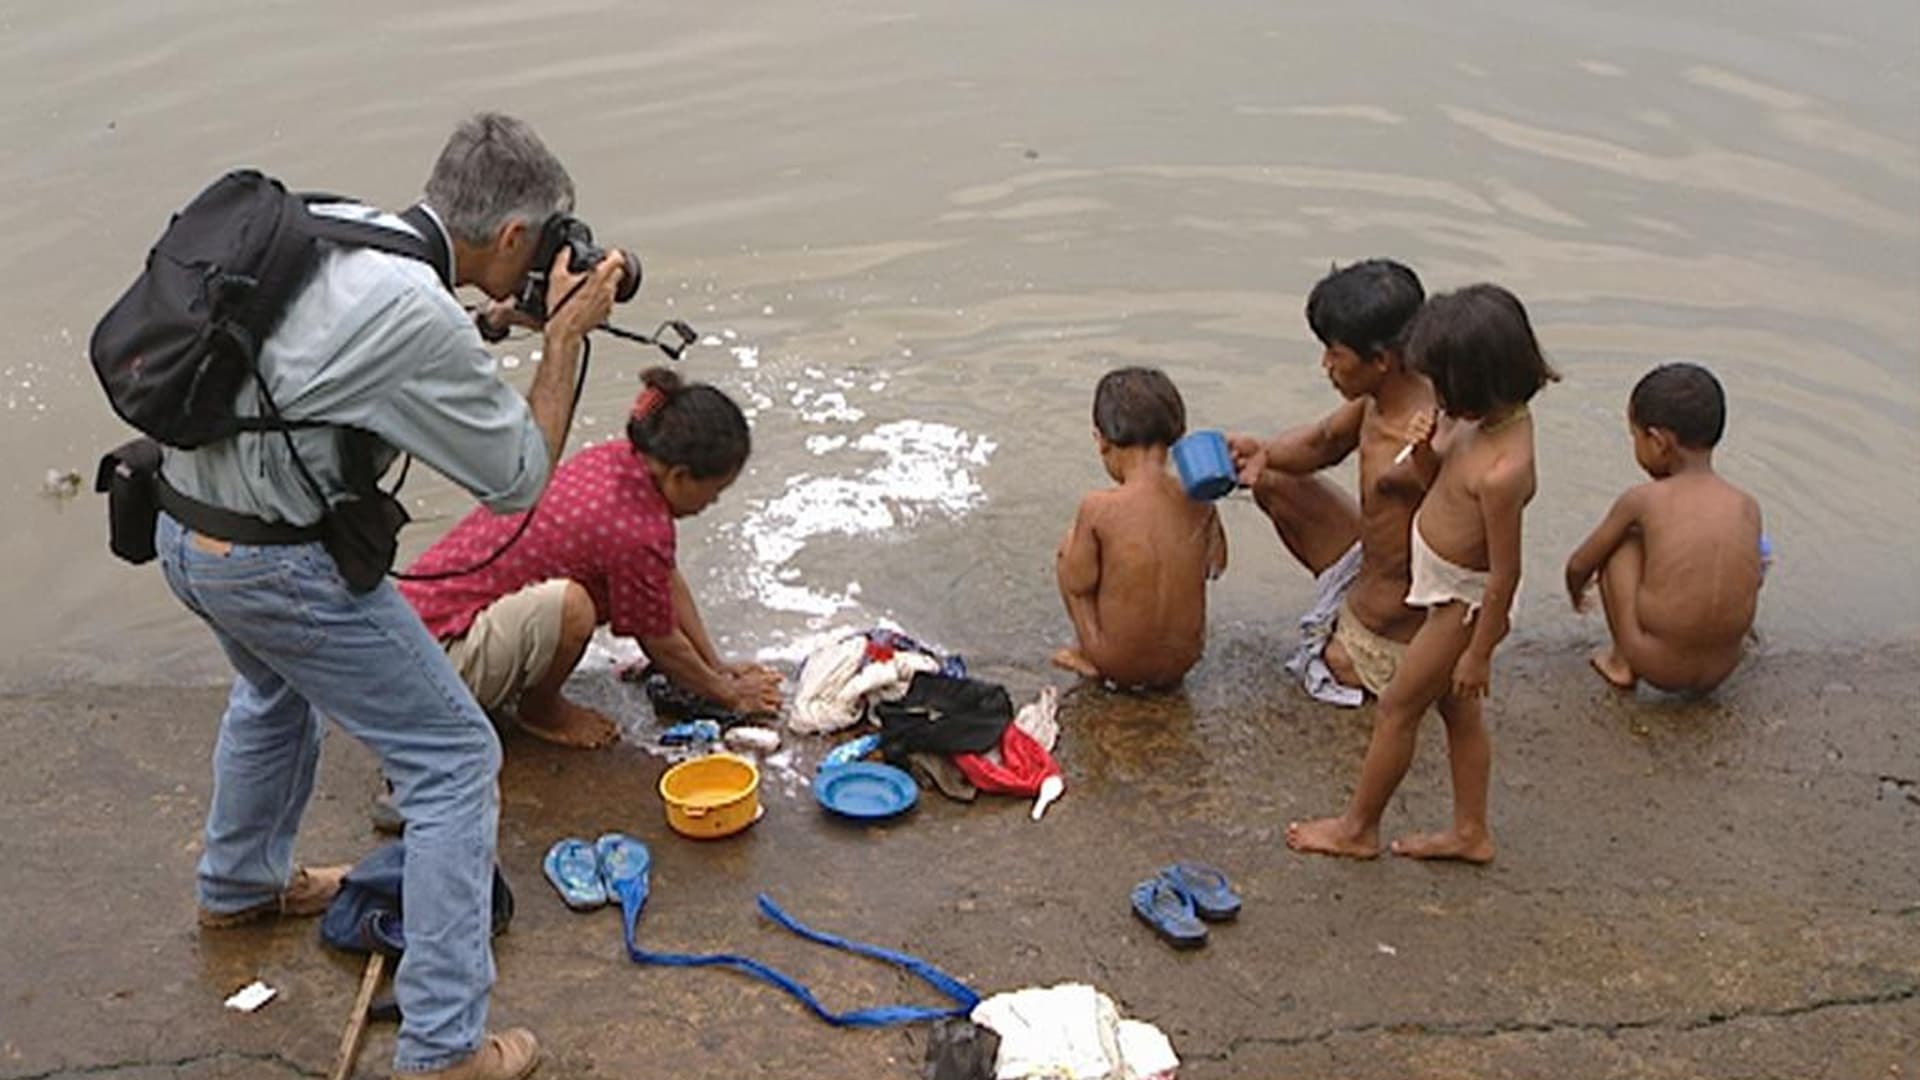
<point>251,996</point>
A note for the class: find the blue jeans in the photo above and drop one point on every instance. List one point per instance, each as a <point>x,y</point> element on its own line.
<point>301,646</point>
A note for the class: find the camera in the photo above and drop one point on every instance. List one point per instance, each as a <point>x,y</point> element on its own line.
<point>572,234</point>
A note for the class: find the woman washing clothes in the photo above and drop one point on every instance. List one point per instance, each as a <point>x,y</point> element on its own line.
<point>600,551</point>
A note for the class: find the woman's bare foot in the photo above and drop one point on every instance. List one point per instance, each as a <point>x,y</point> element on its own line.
<point>1333,836</point>
<point>1447,845</point>
<point>1613,667</point>
<point>567,724</point>
<point>1075,661</point>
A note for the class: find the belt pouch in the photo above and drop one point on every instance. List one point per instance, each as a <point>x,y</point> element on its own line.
<point>129,475</point>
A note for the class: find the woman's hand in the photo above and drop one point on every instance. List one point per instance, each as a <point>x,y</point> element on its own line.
<point>753,692</point>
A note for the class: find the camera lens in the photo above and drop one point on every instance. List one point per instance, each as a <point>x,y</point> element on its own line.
<point>629,276</point>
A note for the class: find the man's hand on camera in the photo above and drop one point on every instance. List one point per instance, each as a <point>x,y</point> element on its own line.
<point>500,316</point>
<point>577,303</point>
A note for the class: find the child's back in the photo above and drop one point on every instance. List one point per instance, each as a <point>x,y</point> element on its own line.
<point>1156,549</point>
<point>1679,558</point>
<point>1701,582</point>
<point>1134,566</point>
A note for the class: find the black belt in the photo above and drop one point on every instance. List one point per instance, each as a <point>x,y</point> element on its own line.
<point>220,523</point>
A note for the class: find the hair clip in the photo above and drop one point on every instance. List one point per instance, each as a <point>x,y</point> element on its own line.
<point>650,399</point>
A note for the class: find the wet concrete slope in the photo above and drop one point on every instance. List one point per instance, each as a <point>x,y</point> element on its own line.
<point>1728,889</point>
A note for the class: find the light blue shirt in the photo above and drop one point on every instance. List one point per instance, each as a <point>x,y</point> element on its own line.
<point>373,341</point>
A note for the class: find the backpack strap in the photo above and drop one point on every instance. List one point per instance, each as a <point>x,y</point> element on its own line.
<point>437,238</point>
<point>377,237</point>
<point>429,247</point>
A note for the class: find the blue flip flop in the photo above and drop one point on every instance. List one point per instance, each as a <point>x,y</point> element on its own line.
<point>1213,897</point>
<point>574,869</point>
<point>624,865</point>
<point>1169,910</point>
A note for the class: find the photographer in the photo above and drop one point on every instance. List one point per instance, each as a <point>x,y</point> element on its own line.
<point>377,342</point>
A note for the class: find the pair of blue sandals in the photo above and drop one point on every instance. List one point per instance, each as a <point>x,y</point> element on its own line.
<point>589,876</point>
<point>1179,900</point>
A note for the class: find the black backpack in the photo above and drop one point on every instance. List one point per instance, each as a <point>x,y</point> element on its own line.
<point>175,350</point>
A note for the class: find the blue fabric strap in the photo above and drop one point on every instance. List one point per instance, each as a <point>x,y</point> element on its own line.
<point>632,900</point>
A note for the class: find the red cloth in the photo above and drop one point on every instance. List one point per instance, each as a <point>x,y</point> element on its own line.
<point>1023,764</point>
<point>602,522</point>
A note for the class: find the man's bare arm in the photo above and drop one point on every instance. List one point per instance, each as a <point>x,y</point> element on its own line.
<point>577,304</point>
<point>1302,450</point>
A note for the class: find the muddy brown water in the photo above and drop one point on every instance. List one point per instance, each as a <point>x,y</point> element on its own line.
<point>914,235</point>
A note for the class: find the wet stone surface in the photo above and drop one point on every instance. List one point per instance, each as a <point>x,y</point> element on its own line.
<point>1718,889</point>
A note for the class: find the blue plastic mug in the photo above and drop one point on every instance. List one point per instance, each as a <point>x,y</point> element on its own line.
<point>1205,465</point>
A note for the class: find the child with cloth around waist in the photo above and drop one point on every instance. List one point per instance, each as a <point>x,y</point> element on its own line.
<point>1478,348</point>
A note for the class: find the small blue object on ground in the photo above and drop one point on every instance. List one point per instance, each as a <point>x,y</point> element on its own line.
<point>866,790</point>
<point>624,866</point>
<point>1169,911</point>
<point>1213,896</point>
<point>621,857</point>
<point>573,867</point>
<point>692,731</point>
<point>850,751</point>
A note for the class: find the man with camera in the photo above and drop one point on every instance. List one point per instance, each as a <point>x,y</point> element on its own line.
<point>376,342</point>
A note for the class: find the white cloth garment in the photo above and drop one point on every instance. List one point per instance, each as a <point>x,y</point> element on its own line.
<point>1437,581</point>
<point>1072,1032</point>
<point>1037,718</point>
<point>838,682</point>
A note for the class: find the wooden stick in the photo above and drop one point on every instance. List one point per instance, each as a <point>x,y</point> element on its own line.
<point>356,1031</point>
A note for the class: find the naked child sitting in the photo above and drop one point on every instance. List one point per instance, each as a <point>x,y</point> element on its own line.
<point>1134,566</point>
<point>1679,559</point>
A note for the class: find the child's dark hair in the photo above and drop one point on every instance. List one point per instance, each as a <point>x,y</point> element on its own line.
<point>1683,398</point>
<point>1138,406</point>
<point>1367,307</point>
<point>692,425</point>
<point>1477,346</point>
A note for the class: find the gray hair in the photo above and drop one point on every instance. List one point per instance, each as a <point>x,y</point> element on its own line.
<point>493,170</point>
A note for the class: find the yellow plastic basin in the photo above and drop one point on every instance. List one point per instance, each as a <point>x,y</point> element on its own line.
<point>710,797</point>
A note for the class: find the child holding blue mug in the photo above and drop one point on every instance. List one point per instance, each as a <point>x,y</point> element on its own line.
<point>1134,567</point>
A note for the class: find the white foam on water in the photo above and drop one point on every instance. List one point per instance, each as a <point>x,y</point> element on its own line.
<point>896,476</point>
<point>748,355</point>
<point>830,407</point>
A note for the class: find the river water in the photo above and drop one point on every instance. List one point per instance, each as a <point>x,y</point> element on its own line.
<point>914,234</point>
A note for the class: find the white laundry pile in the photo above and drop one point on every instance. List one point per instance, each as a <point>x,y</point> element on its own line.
<point>839,680</point>
<point>1072,1032</point>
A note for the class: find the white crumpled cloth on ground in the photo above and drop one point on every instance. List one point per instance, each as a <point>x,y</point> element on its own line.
<point>1072,1032</point>
<point>837,682</point>
<point>1037,718</point>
